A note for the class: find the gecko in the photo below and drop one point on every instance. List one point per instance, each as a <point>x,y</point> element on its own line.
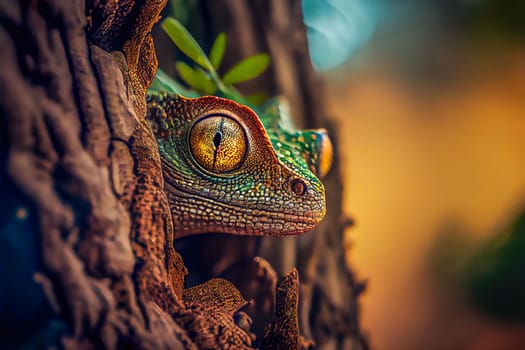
<point>228,169</point>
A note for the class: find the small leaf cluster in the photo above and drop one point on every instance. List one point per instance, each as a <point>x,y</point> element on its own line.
<point>203,77</point>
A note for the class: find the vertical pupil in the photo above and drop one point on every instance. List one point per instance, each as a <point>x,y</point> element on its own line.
<point>217,139</point>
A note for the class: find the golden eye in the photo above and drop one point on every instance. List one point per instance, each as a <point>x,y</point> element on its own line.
<point>326,154</point>
<point>218,143</point>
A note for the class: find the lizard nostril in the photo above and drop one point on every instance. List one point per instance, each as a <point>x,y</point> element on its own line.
<point>298,187</point>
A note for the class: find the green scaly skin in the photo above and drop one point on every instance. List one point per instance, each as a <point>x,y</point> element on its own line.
<point>255,180</point>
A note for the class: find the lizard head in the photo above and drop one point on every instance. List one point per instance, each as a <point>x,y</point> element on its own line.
<point>223,172</point>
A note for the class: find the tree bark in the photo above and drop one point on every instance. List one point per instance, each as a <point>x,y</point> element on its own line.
<point>73,81</point>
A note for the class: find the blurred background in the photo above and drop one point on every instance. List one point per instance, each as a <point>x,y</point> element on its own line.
<point>429,99</point>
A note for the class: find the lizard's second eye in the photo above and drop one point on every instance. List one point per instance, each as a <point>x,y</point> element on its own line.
<point>218,143</point>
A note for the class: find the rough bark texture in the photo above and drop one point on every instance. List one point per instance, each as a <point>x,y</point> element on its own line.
<point>87,241</point>
<point>69,107</point>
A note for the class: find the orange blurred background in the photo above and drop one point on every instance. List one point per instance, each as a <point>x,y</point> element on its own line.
<point>432,136</point>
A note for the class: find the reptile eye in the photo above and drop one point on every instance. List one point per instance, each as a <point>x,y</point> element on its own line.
<point>298,187</point>
<point>218,143</point>
<point>326,154</point>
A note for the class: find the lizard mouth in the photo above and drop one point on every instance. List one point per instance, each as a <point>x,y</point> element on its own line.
<point>248,225</point>
<point>216,216</point>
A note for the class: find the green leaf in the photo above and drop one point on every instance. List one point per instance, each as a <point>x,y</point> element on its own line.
<point>185,42</point>
<point>217,50</point>
<point>207,85</point>
<point>257,99</point>
<point>188,74</point>
<point>231,94</point>
<point>164,83</point>
<point>247,69</point>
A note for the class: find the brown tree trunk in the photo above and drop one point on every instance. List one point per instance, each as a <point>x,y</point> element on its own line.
<point>73,82</point>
